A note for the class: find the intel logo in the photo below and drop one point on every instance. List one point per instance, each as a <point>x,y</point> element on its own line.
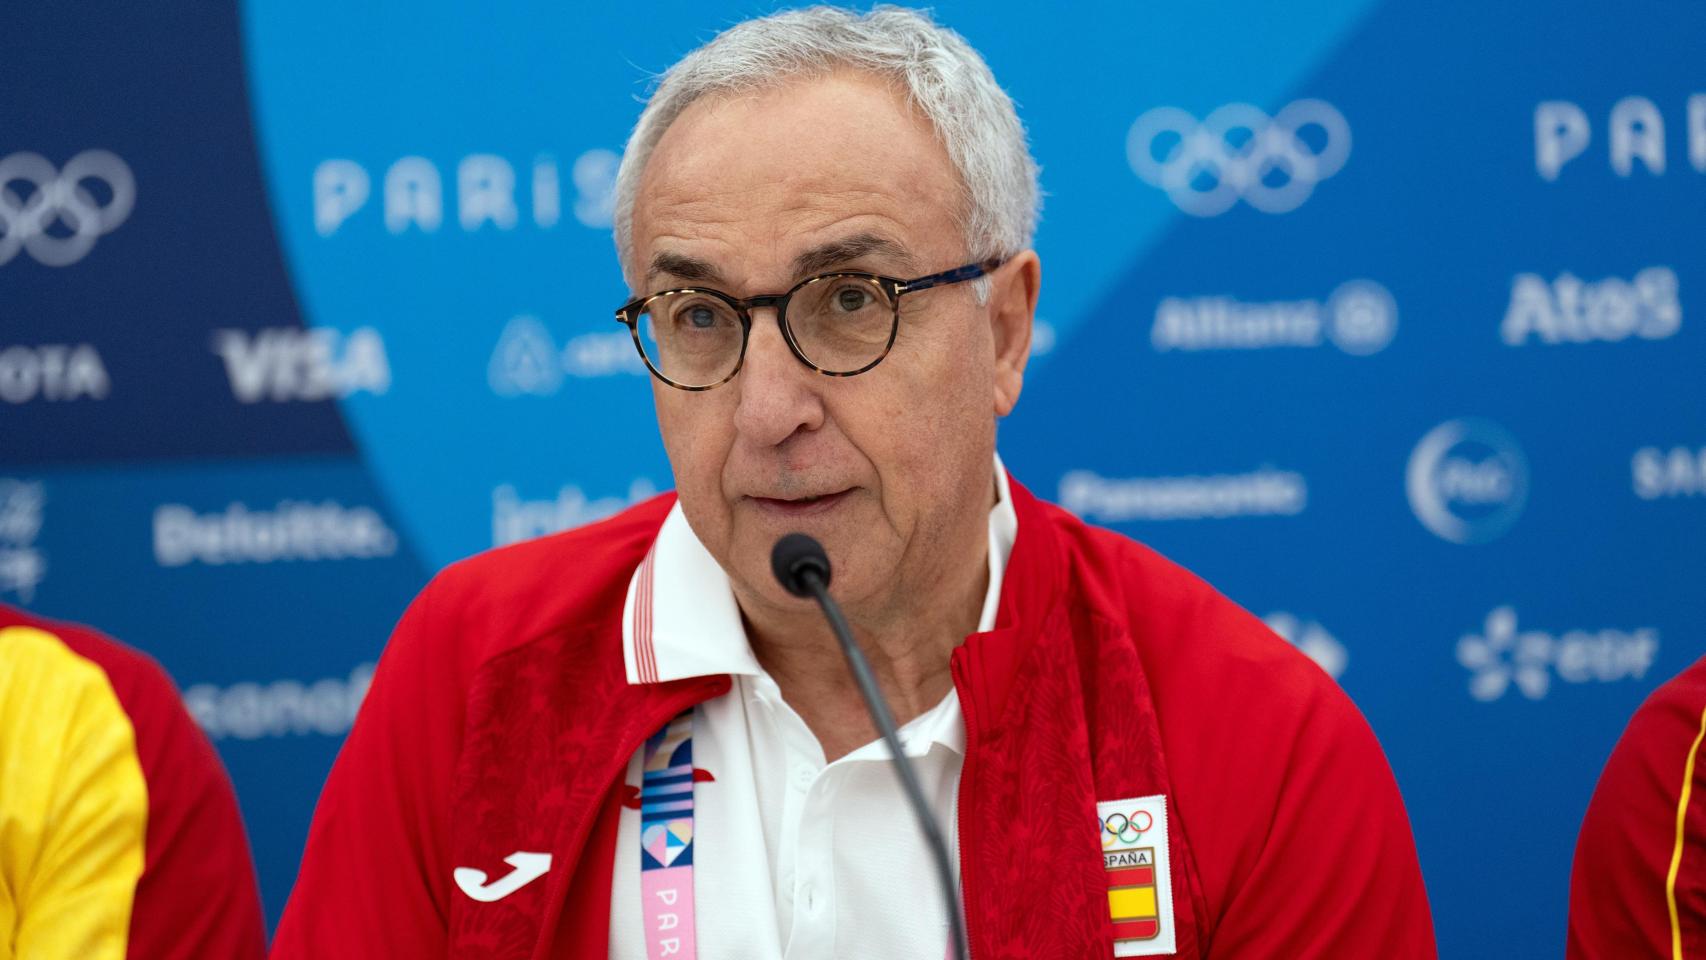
<point>1467,481</point>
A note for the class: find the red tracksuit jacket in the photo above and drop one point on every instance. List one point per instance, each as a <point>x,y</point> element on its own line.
<point>500,720</point>
<point>1647,819</point>
<point>196,898</point>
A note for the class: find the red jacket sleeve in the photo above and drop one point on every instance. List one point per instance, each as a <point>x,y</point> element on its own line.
<point>376,877</point>
<point>195,840</point>
<point>1648,811</point>
<point>1336,874</point>
<point>1291,810</point>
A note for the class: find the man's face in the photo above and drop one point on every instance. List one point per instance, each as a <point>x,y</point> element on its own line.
<point>889,469</point>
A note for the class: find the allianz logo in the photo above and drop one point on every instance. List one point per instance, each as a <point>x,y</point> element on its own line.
<point>1265,491</point>
<point>485,191</point>
<point>23,566</point>
<point>1503,656</point>
<point>282,708</point>
<point>515,519</point>
<point>1635,130</point>
<point>1312,639</point>
<point>290,532</point>
<point>1359,317</point>
<point>528,362</point>
<point>1659,474</point>
<point>1571,310</point>
<point>52,373</point>
<point>285,364</point>
<point>1467,481</point>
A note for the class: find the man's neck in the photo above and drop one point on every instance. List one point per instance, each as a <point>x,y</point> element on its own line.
<point>908,647</point>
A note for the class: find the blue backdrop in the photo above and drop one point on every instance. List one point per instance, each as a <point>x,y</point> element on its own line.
<point>1380,314</point>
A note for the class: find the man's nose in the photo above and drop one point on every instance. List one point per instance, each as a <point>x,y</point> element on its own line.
<point>778,394</point>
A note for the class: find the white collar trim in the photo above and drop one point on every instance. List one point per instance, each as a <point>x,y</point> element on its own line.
<point>681,620</point>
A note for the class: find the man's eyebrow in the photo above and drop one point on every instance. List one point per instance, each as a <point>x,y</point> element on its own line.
<point>835,253</point>
<point>691,269</point>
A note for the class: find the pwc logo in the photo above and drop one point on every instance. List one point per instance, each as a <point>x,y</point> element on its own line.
<point>1467,481</point>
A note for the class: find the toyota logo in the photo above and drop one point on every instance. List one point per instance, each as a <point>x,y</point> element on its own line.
<point>1238,153</point>
<point>62,197</point>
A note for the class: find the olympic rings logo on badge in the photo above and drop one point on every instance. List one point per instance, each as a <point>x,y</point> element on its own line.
<point>63,197</point>
<point>1239,153</point>
<point>1125,828</point>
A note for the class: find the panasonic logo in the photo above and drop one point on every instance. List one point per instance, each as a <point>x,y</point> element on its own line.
<point>1263,492</point>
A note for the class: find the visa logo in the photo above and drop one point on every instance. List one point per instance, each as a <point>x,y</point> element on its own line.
<point>283,364</point>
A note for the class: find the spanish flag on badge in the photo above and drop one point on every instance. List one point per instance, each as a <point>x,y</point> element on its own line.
<point>1140,888</point>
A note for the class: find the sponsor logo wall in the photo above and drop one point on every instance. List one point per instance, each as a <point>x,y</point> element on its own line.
<point>1384,325</point>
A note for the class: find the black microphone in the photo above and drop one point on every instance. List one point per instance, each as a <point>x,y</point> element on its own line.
<point>802,568</point>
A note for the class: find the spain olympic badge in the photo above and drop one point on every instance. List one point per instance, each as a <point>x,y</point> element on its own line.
<point>1140,875</point>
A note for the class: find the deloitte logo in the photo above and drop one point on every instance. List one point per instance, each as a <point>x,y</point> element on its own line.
<point>1467,481</point>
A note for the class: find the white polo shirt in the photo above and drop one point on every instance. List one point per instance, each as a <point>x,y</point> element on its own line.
<point>792,857</point>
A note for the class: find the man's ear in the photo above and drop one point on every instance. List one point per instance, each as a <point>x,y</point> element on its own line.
<point>1012,309</point>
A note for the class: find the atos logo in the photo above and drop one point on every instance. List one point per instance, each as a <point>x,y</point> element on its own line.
<point>1467,481</point>
<point>22,565</point>
<point>56,216</point>
<point>1569,310</point>
<point>1239,153</point>
<point>486,191</point>
<point>1502,655</point>
<point>284,364</point>
<point>1562,133</point>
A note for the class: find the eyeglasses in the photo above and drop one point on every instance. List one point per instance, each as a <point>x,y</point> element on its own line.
<point>839,324</point>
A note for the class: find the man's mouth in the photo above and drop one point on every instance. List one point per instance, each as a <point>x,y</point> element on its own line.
<point>801,506</point>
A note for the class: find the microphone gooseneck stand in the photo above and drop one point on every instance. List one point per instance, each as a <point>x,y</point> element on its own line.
<point>802,567</point>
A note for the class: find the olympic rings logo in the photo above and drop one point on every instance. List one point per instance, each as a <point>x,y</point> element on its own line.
<point>63,197</point>
<point>1125,828</point>
<point>1239,153</point>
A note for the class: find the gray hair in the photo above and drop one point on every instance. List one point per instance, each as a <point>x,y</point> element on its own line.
<point>944,77</point>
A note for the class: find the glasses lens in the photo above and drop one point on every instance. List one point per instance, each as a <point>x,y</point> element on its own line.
<point>842,324</point>
<point>692,338</point>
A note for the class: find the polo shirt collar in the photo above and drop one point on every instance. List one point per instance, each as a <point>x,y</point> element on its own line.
<point>681,620</point>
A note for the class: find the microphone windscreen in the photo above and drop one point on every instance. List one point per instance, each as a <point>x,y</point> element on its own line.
<point>792,556</point>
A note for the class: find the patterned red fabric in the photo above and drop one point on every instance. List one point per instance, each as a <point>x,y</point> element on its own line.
<point>500,722</point>
<point>197,896</point>
<point>1619,907</point>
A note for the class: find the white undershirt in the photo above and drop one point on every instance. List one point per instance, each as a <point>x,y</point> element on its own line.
<point>793,858</point>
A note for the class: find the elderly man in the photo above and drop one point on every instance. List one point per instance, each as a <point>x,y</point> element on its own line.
<point>630,741</point>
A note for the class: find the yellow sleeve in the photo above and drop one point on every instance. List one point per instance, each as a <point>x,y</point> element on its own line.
<point>73,805</point>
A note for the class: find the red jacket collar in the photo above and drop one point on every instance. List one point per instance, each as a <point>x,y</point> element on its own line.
<point>1033,586</point>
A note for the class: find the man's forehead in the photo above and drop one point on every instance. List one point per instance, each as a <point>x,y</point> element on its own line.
<point>813,258</point>
<point>816,171</point>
